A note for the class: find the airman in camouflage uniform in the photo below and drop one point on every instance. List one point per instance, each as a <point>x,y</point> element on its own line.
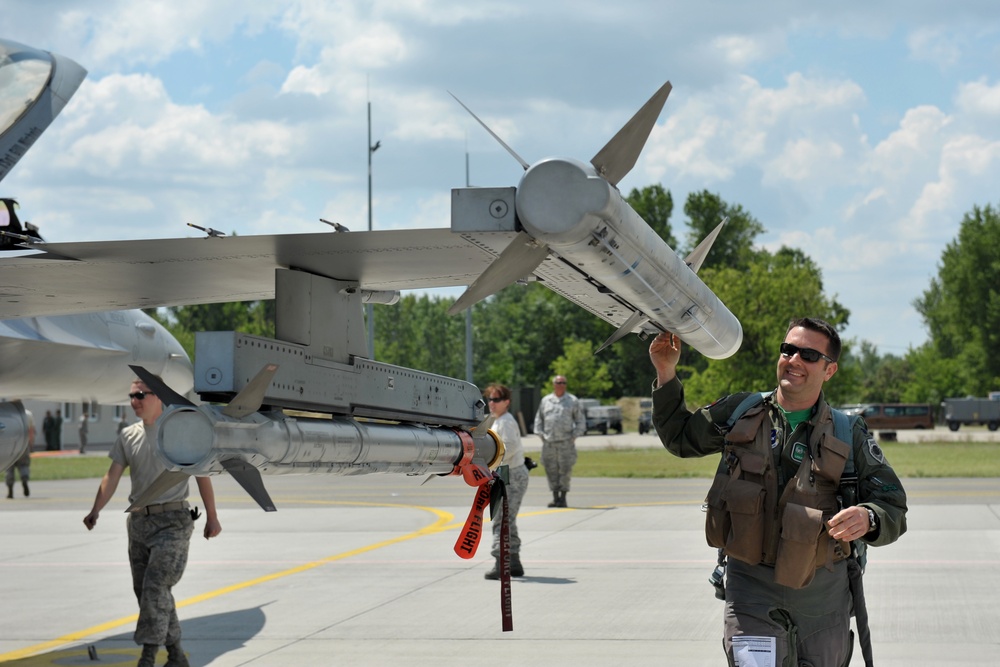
<point>159,534</point>
<point>559,422</point>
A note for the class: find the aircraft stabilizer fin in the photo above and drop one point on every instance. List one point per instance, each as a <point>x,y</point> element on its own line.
<point>493,134</point>
<point>619,155</point>
<point>250,398</point>
<point>249,478</point>
<point>631,323</point>
<point>697,256</point>
<point>166,395</point>
<point>517,261</point>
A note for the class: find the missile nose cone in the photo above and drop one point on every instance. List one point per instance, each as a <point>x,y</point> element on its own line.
<point>557,196</point>
<point>186,436</point>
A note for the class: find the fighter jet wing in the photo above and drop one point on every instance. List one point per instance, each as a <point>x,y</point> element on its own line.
<point>579,237</point>
<point>115,275</point>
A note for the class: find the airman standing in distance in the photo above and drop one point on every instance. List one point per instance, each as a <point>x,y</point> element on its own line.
<point>57,425</point>
<point>777,506</point>
<point>48,430</point>
<point>559,422</point>
<point>506,427</point>
<point>23,464</point>
<point>159,534</point>
<point>82,431</point>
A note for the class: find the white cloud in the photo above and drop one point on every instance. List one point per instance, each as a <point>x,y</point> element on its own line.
<point>803,160</point>
<point>124,33</point>
<point>742,51</point>
<point>934,45</point>
<point>793,132</point>
<point>978,98</point>
<point>128,123</point>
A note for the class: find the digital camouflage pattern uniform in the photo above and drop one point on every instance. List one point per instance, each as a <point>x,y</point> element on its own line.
<point>559,422</point>
<point>811,624</point>
<point>506,427</point>
<point>157,543</point>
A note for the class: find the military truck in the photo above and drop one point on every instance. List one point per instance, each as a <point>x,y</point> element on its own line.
<point>601,418</point>
<point>958,411</point>
<point>645,415</point>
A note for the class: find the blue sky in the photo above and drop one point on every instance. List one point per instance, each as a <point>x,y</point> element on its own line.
<point>861,135</point>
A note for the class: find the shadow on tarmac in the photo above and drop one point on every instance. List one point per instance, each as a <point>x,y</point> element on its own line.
<point>229,631</point>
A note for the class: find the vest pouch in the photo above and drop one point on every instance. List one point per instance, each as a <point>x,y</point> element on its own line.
<point>801,527</point>
<point>717,522</point>
<point>745,502</point>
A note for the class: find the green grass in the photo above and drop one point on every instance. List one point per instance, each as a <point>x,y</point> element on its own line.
<point>931,459</point>
<point>68,467</point>
<point>943,459</point>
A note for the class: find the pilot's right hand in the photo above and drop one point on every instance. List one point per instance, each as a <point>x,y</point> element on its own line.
<point>90,520</point>
<point>665,352</point>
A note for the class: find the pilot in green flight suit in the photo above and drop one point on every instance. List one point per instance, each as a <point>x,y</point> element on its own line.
<point>775,507</point>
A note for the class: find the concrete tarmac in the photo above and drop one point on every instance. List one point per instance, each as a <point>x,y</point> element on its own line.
<point>361,571</point>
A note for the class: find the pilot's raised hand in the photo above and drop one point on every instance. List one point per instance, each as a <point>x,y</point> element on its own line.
<point>664,353</point>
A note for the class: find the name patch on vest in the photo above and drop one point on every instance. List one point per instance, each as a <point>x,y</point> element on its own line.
<point>798,452</point>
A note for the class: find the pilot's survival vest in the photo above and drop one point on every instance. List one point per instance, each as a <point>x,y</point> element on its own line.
<point>750,522</point>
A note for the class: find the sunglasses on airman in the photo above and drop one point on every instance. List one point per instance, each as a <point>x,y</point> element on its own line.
<point>805,353</point>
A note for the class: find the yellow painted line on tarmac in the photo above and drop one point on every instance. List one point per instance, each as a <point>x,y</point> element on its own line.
<point>444,522</point>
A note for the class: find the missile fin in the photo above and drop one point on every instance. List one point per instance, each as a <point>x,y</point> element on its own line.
<point>492,133</point>
<point>250,398</point>
<point>619,155</point>
<point>166,395</point>
<point>166,480</point>
<point>697,256</point>
<point>517,260</point>
<point>631,323</point>
<point>249,478</point>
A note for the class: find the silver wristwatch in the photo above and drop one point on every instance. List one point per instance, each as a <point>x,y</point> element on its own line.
<point>872,523</point>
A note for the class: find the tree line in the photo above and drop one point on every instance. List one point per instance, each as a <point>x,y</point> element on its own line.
<point>525,334</point>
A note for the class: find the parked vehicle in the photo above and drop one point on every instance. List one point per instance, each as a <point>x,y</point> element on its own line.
<point>601,418</point>
<point>887,418</point>
<point>645,415</point>
<point>895,415</point>
<point>958,411</point>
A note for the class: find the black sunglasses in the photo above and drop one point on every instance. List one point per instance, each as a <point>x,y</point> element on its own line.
<point>493,399</point>
<point>806,353</point>
<point>139,395</point>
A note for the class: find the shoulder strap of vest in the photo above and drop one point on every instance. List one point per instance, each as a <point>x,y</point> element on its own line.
<point>752,400</point>
<point>843,430</point>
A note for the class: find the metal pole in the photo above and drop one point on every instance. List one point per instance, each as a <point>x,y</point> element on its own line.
<point>468,312</point>
<point>369,312</point>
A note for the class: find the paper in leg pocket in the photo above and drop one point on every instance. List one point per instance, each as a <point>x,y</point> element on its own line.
<point>801,526</point>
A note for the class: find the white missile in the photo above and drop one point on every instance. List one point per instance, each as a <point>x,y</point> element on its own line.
<point>573,214</point>
<point>208,440</point>
<point>204,440</point>
<point>580,216</point>
<point>196,439</point>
